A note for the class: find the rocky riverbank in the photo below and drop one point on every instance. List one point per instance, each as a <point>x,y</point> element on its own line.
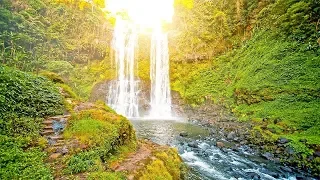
<point>231,134</point>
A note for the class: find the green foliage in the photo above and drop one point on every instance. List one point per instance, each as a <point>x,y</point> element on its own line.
<point>93,132</point>
<point>18,162</point>
<point>62,67</point>
<point>106,176</point>
<point>68,92</point>
<point>54,77</point>
<point>166,165</point>
<point>271,79</point>
<point>23,94</point>
<point>84,162</point>
<point>38,34</point>
<point>156,171</point>
<point>101,130</point>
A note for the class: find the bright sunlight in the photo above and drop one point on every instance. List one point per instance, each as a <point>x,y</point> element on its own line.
<point>145,13</point>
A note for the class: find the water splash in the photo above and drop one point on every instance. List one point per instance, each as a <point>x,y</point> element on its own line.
<point>123,93</point>
<point>159,74</point>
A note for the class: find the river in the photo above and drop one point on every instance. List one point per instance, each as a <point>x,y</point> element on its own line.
<point>206,160</point>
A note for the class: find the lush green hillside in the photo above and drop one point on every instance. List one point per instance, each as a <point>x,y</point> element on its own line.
<point>272,80</point>
<point>60,36</point>
<point>25,100</point>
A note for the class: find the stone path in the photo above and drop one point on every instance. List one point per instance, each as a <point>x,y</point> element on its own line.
<point>52,130</point>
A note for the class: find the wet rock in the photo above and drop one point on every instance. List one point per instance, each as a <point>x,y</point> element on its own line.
<point>287,169</point>
<point>231,135</point>
<point>273,174</point>
<point>283,140</point>
<point>193,145</point>
<point>183,134</point>
<point>276,160</point>
<point>310,158</point>
<point>244,142</point>
<point>220,144</point>
<point>300,177</point>
<point>217,156</point>
<point>228,169</point>
<point>253,175</point>
<point>317,154</point>
<point>289,150</point>
<point>268,155</point>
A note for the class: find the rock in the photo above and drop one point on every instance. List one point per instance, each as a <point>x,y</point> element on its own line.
<point>231,135</point>
<point>287,169</point>
<point>310,158</point>
<point>276,160</point>
<point>268,155</point>
<point>303,140</point>
<point>283,140</point>
<point>300,177</point>
<point>64,150</point>
<point>244,142</point>
<point>253,175</point>
<point>220,144</point>
<point>289,150</point>
<point>193,145</point>
<point>183,134</point>
<point>55,156</point>
<point>273,174</point>
<point>317,154</point>
<point>217,156</point>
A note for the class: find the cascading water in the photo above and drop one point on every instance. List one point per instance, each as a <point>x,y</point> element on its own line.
<point>123,93</point>
<point>159,74</point>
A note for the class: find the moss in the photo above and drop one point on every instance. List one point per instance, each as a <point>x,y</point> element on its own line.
<point>68,92</point>
<point>156,171</point>
<point>166,164</point>
<point>103,175</point>
<point>54,77</point>
<point>102,135</point>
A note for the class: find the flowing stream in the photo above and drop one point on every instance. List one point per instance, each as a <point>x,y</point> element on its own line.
<point>207,161</point>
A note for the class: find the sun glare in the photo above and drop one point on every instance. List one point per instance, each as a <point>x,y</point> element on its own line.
<point>144,13</point>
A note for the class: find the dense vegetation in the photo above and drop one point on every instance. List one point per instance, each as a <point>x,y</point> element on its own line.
<point>25,100</point>
<point>258,58</point>
<point>59,36</point>
<point>268,70</point>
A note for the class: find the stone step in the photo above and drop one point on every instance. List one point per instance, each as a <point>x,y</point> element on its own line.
<point>59,117</point>
<point>56,138</point>
<point>54,156</point>
<point>59,144</point>
<point>48,127</point>
<point>47,132</point>
<point>47,122</point>
<point>61,141</point>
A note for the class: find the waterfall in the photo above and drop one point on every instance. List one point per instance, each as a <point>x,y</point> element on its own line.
<point>123,92</point>
<point>159,74</point>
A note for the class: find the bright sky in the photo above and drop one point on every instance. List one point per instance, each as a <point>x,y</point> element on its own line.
<point>146,13</point>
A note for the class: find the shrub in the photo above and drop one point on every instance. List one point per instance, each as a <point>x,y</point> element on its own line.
<point>54,77</point>
<point>18,163</point>
<point>24,94</point>
<point>106,176</point>
<point>84,162</point>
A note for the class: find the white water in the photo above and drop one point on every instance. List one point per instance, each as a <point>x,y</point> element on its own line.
<point>123,93</point>
<point>159,74</point>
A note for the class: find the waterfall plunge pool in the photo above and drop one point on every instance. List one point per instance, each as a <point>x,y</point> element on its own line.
<point>206,160</point>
